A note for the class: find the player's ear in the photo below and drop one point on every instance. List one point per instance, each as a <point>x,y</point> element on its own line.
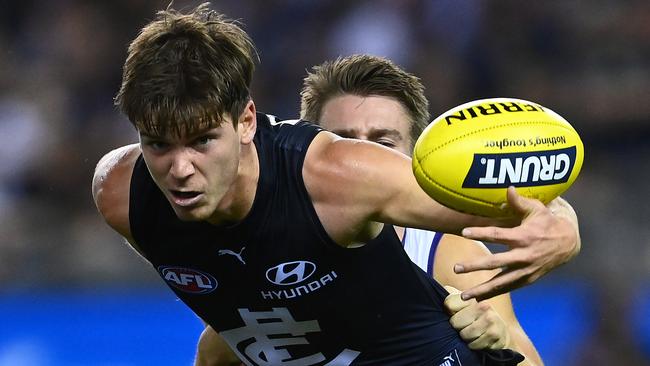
<point>247,123</point>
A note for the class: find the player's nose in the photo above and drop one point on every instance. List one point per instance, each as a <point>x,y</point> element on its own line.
<point>182,166</point>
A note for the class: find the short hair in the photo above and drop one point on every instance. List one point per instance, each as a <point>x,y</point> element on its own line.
<point>183,72</point>
<point>364,75</point>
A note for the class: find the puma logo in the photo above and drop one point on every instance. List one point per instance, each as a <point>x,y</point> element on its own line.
<point>230,252</point>
<point>450,361</point>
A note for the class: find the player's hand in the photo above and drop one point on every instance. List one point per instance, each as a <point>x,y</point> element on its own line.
<point>546,238</point>
<point>478,324</point>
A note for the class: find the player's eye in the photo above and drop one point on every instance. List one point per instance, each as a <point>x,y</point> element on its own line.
<point>203,140</point>
<point>386,142</point>
<point>156,145</point>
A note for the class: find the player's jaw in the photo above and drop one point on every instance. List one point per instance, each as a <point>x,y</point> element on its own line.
<point>194,204</point>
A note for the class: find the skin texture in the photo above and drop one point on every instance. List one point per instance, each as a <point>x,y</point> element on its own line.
<point>350,216</point>
<point>379,187</point>
<point>189,70</point>
<point>489,324</point>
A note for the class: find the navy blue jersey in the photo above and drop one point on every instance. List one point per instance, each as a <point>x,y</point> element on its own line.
<point>276,286</point>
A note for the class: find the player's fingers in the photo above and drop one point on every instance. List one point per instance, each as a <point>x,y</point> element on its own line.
<point>454,303</point>
<point>464,317</point>
<point>505,281</point>
<point>493,261</point>
<point>487,340</point>
<point>494,234</point>
<point>451,289</point>
<point>474,331</point>
<point>520,204</point>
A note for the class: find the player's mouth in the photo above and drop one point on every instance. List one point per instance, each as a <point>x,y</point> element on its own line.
<point>185,198</point>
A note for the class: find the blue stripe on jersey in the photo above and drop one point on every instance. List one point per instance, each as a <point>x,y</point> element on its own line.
<point>432,252</point>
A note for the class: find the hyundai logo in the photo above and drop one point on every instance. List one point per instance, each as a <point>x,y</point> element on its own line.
<point>290,273</point>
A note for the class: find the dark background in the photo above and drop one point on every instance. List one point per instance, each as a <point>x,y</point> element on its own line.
<point>67,282</point>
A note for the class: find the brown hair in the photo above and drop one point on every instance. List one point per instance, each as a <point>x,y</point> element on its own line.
<point>364,75</point>
<point>183,72</point>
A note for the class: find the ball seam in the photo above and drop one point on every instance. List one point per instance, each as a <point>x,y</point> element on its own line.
<point>491,128</point>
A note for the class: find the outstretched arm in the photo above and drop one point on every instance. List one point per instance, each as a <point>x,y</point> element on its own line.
<point>367,183</point>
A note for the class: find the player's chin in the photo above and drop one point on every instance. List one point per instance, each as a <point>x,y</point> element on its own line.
<point>194,213</point>
<point>184,216</point>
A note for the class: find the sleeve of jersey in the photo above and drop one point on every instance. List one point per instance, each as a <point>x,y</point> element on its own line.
<point>296,135</point>
<point>290,147</point>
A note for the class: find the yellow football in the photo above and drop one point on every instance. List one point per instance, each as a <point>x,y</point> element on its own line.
<point>467,157</point>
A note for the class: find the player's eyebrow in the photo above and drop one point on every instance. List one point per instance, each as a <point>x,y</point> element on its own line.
<point>383,132</point>
<point>374,132</point>
<point>344,131</point>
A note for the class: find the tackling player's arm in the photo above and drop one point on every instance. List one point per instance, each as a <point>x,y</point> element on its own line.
<point>354,185</point>
<point>491,323</point>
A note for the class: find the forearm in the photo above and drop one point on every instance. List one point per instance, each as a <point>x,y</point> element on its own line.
<point>519,341</point>
<point>438,217</point>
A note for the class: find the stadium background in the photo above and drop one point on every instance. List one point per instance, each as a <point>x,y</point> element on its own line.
<point>72,294</point>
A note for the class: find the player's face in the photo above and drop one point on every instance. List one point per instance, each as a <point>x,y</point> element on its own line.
<point>194,172</point>
<point>374,118</point>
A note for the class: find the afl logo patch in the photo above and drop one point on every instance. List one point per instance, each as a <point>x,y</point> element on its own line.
<point>290,273</point>
<point>188,280</point>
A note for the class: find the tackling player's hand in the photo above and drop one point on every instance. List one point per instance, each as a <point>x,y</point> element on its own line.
<point>478,324</point>
<point>547,237</point>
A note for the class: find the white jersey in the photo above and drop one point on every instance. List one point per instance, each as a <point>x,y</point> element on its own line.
<point>420,245</point>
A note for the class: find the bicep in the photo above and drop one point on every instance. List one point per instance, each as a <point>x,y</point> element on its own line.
<point>375,183</point>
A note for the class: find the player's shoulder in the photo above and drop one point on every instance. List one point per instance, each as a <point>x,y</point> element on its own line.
<point>110,186</point>
<point>330,150</point>
<point>343,170</point>
<point>330,165</point>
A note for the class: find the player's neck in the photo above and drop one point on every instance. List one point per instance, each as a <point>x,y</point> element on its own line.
<point>238,201</point>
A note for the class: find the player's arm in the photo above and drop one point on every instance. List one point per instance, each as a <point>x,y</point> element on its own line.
<point>354,183</point>
<point>491,323</point>
<point>213,350</point>
<point>110,188</point>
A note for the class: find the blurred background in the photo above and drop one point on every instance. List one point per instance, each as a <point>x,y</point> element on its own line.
<point>71,293</point>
